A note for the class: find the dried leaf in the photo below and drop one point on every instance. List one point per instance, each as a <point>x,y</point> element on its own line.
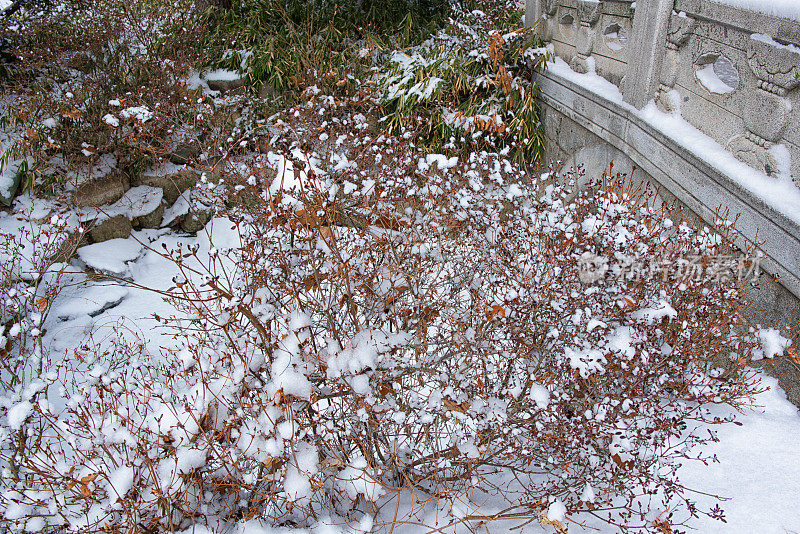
<point>544,520</point>
<point>494,311</point>
<point>328,463</point>
<point>74,113</point>
<point>451,405</point>
<point>628,465</point>
<point>88,478</point>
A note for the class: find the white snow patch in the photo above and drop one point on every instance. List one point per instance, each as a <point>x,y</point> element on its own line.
<point>771,344</point>
<point>110,256</point>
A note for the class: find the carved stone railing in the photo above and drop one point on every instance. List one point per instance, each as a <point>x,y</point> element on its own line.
<point>731,73</point>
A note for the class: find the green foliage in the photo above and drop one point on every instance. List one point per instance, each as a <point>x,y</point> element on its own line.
<point>468,85</point>
<point>290,44</point>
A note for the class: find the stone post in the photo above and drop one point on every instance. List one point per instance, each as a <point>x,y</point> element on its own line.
<point>533,11</point>
<point>648,38</point>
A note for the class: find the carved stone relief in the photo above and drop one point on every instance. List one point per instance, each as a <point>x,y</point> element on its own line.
<point>680,29</point>
<point>767,110</point>
<point>589,12</point>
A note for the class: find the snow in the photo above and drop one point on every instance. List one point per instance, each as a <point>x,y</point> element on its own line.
<point>180,208</point>
<point>111,120</point>
<point>18,413</point>
<point>111,256</point>
<point>556,511</point>
<point>140,113</point>
<point>588,493</point>
<point>711,80</point>
<point>757,470</point>
<point>772,344</point>
<point>540,395</point>
<point>655,313</point>
<point>297,483</point>
<point>222,75</point>
<point>440,160</point>
<point>591,80</point>
<point>789,9</point>
<point>120,481</point>
<point>136,202</point>
<point>92,301</point>
<point>357,479</point>
<point>772,42</point>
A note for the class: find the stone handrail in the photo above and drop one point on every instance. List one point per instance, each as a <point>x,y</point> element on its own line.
<point>733,74</point>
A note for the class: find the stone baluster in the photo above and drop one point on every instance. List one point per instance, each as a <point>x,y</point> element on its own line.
<point>588,13</point>
<point>680,29</point>
<point>544,12</point>
<point>767,110</point>
<point>648,36</point>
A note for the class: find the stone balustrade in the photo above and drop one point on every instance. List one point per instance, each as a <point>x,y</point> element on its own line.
<point>733,74</point>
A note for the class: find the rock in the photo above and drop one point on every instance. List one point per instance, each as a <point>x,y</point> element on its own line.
<point>117,227</point>
<point>793,394</point>
<point>184,153</point>
<point>195,221</point>
<point>225,84</point>
<point>9,181</point>
<point>152,219</point>
<point>100,191</point>
<point>172,184</point>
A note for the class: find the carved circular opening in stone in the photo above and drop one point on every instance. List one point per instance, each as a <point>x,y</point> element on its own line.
<point>716,73</point>
<point>615,37</point>
<point>568,26</point>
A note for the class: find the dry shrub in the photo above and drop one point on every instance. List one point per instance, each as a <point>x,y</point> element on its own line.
<point>76,66</point>
<point>341,342</point>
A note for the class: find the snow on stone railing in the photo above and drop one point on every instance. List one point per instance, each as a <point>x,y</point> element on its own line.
<point>730,68</point>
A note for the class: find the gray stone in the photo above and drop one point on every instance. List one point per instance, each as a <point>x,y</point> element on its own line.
<point>100,191</point>
<point>584,41</point>
<point>754,155</point>
<point>11,171</point>
<point>118,227</point>
<point>580,64</point>
<point>195,221</point>
<point>152,219</point>
<point>669,69</point>
<point>702,187</point>
<point>184,153</point>
<point>680,28</point>
<point>225,86</point>
<point>649,33</point>
<point>172,184</point>
<point>766,115</point>
<point>793,394</point>
<point>589,11</point>
<point>777,65</point>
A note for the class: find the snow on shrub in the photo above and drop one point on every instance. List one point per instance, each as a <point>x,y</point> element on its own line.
<point>337,349</point>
